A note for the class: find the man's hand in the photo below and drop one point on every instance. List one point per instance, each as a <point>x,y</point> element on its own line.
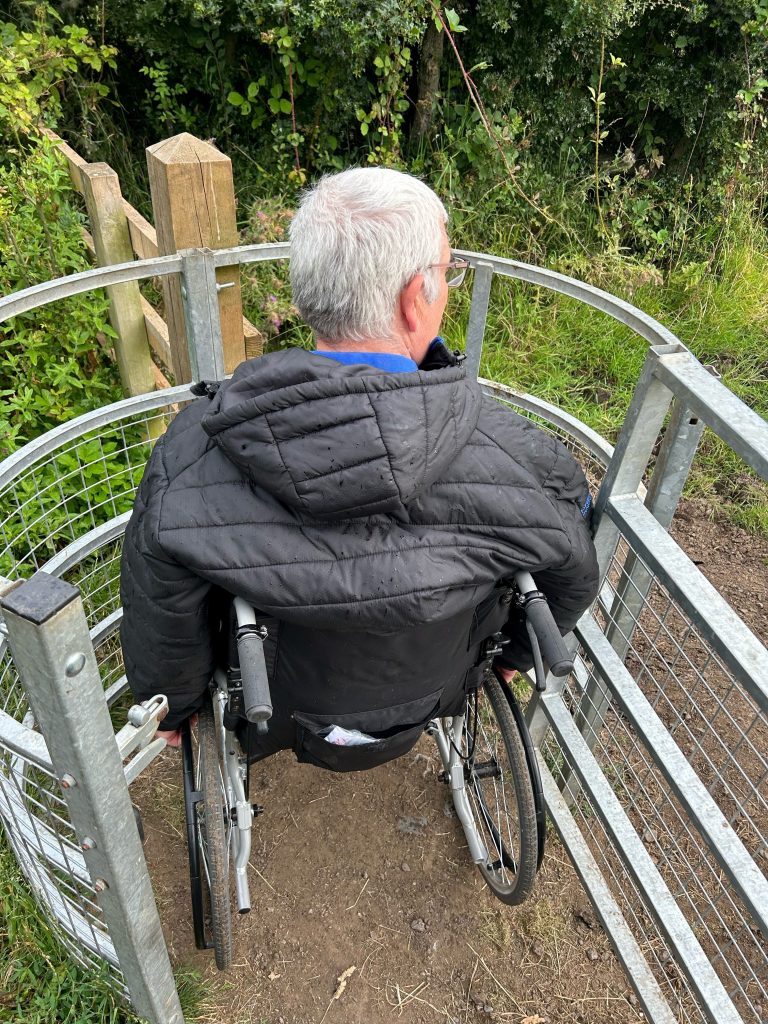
<point>173,736</point>
<point>507,674</point>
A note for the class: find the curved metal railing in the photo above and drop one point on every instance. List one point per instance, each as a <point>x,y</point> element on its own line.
<point>65,500</point>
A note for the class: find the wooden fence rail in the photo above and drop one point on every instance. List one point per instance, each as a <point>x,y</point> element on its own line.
<point>193,204</point>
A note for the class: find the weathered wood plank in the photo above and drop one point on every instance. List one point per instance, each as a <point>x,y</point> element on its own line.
<point>193,200</point>
<point>112,244</point>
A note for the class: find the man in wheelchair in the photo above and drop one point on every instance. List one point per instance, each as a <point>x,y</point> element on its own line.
<point>365,498</point>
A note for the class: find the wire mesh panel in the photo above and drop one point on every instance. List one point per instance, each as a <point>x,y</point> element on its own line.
<point>72,488</point>
<point>723,732</point>
<point>39,831</point>
<point>65,500</point>
<point>669,706</point>
<point>703,890</point>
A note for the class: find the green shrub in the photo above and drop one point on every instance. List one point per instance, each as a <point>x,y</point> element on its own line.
<point>52,360</point>
<point>42,70</point>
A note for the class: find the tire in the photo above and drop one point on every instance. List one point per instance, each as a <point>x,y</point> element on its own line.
<point>212,832</point>
<point>500,793</point>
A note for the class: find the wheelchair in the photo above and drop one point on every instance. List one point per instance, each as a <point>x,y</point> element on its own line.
<point>489,768</point>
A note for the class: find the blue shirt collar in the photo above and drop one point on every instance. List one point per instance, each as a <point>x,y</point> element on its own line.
<point>390,362</point>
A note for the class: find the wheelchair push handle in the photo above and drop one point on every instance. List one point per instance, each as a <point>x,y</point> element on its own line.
<point>253,667</point>
<point>546,641</point>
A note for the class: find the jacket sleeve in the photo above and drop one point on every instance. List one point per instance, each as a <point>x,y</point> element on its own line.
<point>570,586</point>
<point>165,631</point>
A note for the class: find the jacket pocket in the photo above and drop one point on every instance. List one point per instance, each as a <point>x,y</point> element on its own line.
<point>395,730</point>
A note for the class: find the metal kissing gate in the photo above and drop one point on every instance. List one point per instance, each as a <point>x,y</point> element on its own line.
<point>654,753</point>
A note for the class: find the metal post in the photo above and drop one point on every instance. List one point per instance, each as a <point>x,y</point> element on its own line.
<point>673,465</point>
<point>641,428</point>
<point>478,312</point>
<point>199,293</point>
<point>624,475</point>
<point>51,646</point>
<point>642,424</point>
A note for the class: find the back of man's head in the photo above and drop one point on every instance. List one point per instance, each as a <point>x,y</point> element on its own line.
<point>357,239</point>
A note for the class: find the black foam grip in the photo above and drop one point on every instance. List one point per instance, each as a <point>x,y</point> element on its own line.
<point>553,648</point>
<point>253,669</point>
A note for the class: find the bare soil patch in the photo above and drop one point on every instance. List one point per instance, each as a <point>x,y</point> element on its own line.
<point>734,561</point>
<point>371,871</point>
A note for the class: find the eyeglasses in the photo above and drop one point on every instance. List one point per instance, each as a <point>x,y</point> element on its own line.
<point>454,271</point>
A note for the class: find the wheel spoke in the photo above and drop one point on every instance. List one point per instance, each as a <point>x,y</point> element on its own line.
<point>500,795</point>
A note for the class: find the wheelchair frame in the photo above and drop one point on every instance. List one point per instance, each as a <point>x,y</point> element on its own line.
<point>508,871</point>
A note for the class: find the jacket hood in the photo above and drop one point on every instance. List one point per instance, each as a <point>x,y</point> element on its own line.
<point>338,441</point>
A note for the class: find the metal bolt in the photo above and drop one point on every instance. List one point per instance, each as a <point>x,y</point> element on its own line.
<point>75,664</point>
<point>227,284</point>
<point>100,885</point>
<point>68,781</point>
<point>184,291</point>
<point>88,844</point>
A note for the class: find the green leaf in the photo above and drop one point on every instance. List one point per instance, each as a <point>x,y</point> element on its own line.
<point>285,106</point>
<point>236,99</point>
<point>454,22</point>
<point>364,128</point>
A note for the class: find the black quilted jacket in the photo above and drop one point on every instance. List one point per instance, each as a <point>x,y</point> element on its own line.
<point>347,500</point>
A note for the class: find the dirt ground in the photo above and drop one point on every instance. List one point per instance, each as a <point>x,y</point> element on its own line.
<point>370,871</point>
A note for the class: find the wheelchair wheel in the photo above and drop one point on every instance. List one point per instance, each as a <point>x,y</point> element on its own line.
<point>207,837</point>
<point>498,785</point>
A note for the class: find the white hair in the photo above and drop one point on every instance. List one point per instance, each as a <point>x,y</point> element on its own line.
<point>357,239</point>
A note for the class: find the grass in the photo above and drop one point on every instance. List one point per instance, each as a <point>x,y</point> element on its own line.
<point>40,984</point>
<point>586,362</point>
<point>545,921</point>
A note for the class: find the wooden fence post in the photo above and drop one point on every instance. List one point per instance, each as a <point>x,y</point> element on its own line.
<point>112,243</point>
<point>193,199</point>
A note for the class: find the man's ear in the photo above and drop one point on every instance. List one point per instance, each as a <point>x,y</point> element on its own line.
<point>410,303</point>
